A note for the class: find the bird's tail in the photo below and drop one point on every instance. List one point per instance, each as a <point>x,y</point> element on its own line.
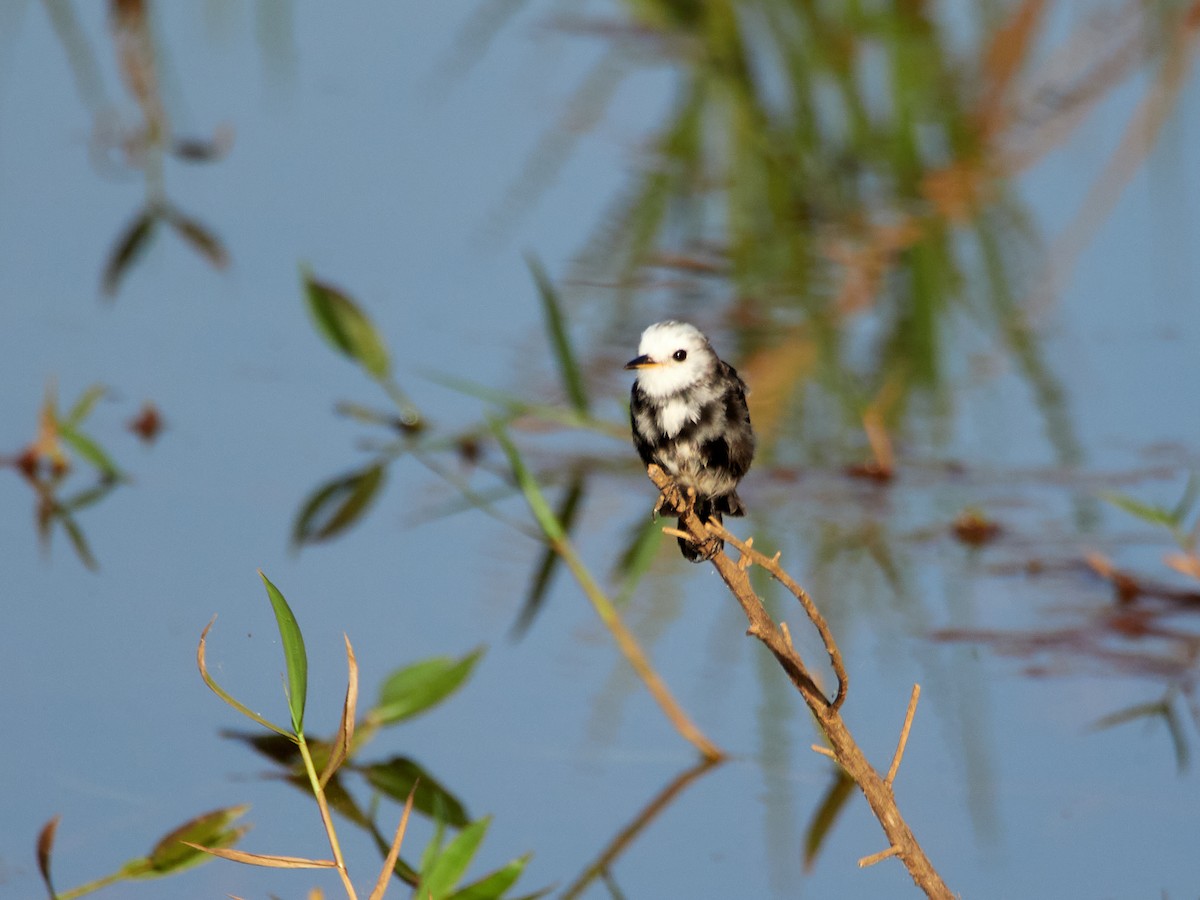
<point>702,552</point>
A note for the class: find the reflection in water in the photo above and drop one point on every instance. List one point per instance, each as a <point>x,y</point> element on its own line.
<point>61,448</point>
<point>118,147</point>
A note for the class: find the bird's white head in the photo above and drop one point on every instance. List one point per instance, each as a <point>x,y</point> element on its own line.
<point>672,357</point>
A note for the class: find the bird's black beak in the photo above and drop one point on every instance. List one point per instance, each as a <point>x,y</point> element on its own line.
<point>641,362</point>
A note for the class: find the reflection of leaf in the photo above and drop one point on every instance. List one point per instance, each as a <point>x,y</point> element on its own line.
<point>1155,515</point>
<point>414,689</point>
<point>396,778</point>
<point>551,559</point>
<point>129,246</point>
<point>832,804</point>
<point>211,830</point>
<point>637,556</point>
<point>89,450</point>
<point>78,541</point>
<point>336,505</point>
<point>1160,709</point>
<point>45,848</point>
<point>346,327</point>
<point>198,236</point>
<point>82,407</point>
<point>560,340</point>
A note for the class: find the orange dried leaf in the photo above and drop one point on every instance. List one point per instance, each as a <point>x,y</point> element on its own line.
<point>1184,563</point>
<point>267,860</point>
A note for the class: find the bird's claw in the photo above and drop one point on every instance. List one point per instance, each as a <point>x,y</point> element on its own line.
<point>674,496</point>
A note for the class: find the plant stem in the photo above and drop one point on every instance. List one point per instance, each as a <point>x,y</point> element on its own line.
<point>326,819</point>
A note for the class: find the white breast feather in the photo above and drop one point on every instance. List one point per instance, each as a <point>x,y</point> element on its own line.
<point>674,415</point>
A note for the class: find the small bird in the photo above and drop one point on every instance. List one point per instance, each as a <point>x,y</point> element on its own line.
<point>689,416</point>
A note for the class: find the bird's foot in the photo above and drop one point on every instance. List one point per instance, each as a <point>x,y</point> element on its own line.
<point>673,496</point>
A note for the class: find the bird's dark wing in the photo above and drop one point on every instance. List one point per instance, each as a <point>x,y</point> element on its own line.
<point>738,431</point>
<point>641,421</point>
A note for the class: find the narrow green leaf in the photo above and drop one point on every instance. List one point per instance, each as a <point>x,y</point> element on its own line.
<point>836,796</point>
<point>560,339</point>
<point>1158,708</point>
<point>1155,515</point>
<point>129,246</point>
<point>545,516</point>
<point>1184,506</point>
<point>493,885</point>
<point>337,505</point>
<point>414,689</point>
<point>83,407</point>
<point>638,555</point>
<point>200,237</point>
<point>551,560</point>
<point>210,830</point>
<point>89,450</point>
<point>346,327</point>
<point>448,868</point>
<point>395,778</point>
<point>293,653</point>
<point>88,496</point>
<point>77,538</point>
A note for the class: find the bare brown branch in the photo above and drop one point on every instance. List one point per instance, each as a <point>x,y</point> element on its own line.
<point>842,746</point>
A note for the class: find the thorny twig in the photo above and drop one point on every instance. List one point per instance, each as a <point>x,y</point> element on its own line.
<point>842,747</point>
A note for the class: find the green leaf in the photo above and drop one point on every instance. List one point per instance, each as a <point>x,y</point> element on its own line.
<point>449,866</point>
<point>84,405</point>
<point>560,340</point>
<point>396,777</point>
<point>201,238</point>
<point>89,450</point>
<point>545,516</point>
<point>129,246</point>
<point>414,689</point>
<point>293,653</point>
<point>551,559</point>
<point>78,540</point>
<point>337,505</point>
<point>638,555</point>
<point>493,885</point>
<point>1155,515</point>
<point>346,327</point>
<point>209,830</point>
<point>831,806</point>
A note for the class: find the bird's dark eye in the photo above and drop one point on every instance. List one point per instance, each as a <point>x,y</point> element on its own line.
<point>679,355</point>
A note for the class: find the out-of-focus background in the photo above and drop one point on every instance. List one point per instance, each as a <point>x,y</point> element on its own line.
<point>951,250</point>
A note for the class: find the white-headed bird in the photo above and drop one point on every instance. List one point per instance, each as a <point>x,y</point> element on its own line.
<point>689,416</point>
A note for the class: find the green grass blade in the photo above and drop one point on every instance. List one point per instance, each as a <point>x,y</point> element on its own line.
<point>560,340</point>
<point>89,450</point>
<point>494,884</point>
<point>337,505</point>
<point>448,868</point>
<point>83,407</point>
<point>421,686</point>
<point>293,654</point>
<point>551,559</point>
<point>346,327</point>
<point>545,516</point>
